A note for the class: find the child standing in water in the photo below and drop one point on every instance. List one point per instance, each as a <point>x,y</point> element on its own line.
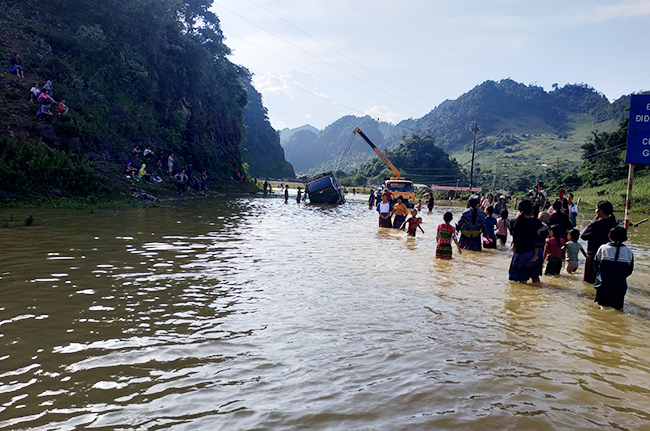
<point>446,233</point>
<point>553,251</point>
<point>413,223</point>
<point>613,262</point>
<point>572,248</point>
<point>503,226</point>
<point>489,239</point>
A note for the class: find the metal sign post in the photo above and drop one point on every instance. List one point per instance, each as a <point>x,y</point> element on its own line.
<point>638,143</point>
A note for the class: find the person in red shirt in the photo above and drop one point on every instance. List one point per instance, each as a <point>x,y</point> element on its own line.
<point>413,223</point>
<point>62,108</point>
<point>553,252</point>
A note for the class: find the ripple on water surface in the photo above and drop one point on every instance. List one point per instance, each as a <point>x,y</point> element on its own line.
<point>255,314</point>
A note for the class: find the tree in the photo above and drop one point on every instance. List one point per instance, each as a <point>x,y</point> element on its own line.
<point>603,156</point>
<point>417,158</point>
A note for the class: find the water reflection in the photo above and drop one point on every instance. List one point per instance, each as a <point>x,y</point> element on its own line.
<point>251,314</point>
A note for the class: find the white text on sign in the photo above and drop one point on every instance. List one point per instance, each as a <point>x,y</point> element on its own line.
<point>643,118</point>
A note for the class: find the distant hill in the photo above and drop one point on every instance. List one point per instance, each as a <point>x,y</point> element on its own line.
<point>287,133</point>
<point>311,151</point>
<point>523,129</point>
<point>508,107</point>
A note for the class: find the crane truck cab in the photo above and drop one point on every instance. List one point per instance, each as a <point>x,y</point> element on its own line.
<point>394,186</point>
<point>403,187</point>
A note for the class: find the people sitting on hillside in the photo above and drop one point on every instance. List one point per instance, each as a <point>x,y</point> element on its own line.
<point>148,152</point>
<point>47,88</point>
<point>62,108</point>
<point>44,112</point>
<point>129,171</point>
<point>136,151</point>
<point>159,162</point>
<point>34,92</point>
<point>44,98</point>
<point>15,66</point>
<point>143,174</point>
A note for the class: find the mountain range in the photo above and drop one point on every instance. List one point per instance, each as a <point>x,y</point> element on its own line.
<point>521,128</point>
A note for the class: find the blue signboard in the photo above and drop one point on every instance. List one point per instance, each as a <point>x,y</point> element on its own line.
<point>638,135</point>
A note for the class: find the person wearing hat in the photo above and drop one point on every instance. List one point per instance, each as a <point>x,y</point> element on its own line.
<point>501,205</point>
<point>129,171</point>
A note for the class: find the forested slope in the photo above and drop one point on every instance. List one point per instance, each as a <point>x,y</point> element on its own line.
<point>133,72</point>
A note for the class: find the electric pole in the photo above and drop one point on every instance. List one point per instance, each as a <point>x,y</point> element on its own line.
<point>475,129</point>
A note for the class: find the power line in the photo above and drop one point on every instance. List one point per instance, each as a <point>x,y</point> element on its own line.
<point>341,54</point>
<point>320,59</point>
<point>318,74</point>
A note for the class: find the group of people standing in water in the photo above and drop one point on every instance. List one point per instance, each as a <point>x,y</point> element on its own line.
<point>537,237</point>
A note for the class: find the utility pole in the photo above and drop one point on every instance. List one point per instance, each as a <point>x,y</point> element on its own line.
<point>496,171</point>
<point>475,129</point>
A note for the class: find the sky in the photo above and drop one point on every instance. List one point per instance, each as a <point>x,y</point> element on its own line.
<point>315,61</point>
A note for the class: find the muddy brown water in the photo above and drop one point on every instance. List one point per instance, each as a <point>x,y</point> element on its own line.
<point>246,313</point>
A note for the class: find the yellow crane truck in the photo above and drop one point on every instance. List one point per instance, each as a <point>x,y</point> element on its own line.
<point>396,186</point>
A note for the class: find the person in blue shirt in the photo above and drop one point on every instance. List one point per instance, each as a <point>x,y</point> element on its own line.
<point>471,225</point>
<point>44,112</point>
<point>489,237</point>
<point>385,210</point>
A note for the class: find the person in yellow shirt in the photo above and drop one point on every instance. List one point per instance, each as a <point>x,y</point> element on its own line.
<point>143,174</point>
<point>400,212</point>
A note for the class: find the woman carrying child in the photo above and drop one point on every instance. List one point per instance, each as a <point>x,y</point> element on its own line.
<point>470,225</point>
<point>614,262</point>
<point>524,263</point>
<point>446,233</point>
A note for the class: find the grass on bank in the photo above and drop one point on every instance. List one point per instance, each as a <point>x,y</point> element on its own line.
<point>616,193</point>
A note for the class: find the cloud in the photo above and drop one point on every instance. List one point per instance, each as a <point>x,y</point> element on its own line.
<point>384,114</point>
<point>293,99</point>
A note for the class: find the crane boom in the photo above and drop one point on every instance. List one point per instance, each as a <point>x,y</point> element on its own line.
<point>381,155</point>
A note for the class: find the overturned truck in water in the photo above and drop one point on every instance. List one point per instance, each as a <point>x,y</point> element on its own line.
<point>325,189</point>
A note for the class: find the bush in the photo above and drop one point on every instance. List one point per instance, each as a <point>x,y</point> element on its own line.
<point>29,169</point>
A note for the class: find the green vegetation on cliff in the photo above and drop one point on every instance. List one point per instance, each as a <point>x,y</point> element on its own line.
<point>153,73</point>
<point>262,152</point>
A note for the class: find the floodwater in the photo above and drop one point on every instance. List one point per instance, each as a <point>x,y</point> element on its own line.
<point>246,313</point>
